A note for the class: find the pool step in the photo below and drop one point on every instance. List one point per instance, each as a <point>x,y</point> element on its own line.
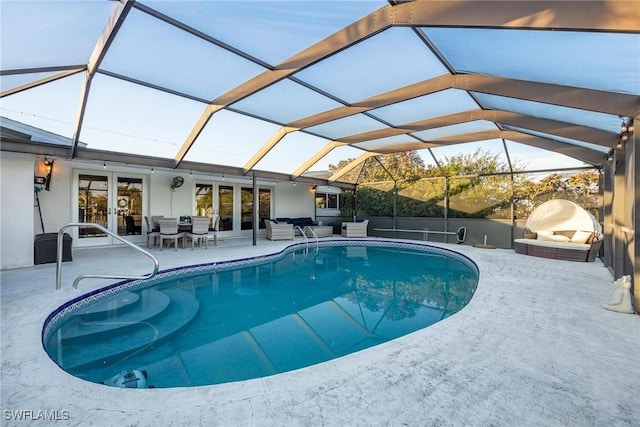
<point>290,342</point>
<point>150,304</point>
<point>108,348</point>
<point>111,306</point>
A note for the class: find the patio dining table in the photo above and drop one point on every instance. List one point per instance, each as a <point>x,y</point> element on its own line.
<point>185,226</point>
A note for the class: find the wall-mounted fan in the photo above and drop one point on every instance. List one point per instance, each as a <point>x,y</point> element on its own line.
<point>176,182</point>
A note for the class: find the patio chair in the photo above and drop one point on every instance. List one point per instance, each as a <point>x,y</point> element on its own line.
<point>169,230</point>
<point>154,221</point>
<point>151,231</point>
<point>355,229</point>
<point>130,225</point>
<point>199,231</point>
<point>213,229</point>
<point>278,231</point>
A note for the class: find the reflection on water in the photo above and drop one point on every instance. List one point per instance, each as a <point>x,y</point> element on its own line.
<point>264,319</point>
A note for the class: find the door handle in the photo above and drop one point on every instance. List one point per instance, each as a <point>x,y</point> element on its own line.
<point>109,211</point>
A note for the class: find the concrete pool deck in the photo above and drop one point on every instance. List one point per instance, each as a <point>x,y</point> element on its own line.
<point>534,347</point>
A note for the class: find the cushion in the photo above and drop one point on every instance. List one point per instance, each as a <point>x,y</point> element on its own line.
<point>549,236</point>
<point>560,238</point>
<point>581,236</point>
<point>544,234</point>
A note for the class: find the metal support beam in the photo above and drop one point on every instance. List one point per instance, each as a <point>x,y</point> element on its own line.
<point>118,15</point>
<point>195,132</point>
<point>634,183</point>
<point>352,165</point>
<point>42,81</point>
<point>315,158</point>
<point>551,127</point>
<point>273,141</point>
<point>256,208</point>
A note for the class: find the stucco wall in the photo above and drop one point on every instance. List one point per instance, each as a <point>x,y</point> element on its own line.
<point>294,201</point>
<point>55,204</point>
<point>16,210</point>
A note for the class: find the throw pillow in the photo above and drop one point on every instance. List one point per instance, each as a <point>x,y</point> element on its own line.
<point>581,237</point>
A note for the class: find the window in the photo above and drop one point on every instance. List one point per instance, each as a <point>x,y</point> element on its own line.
<point>327,201</point>
<point>204,200</point>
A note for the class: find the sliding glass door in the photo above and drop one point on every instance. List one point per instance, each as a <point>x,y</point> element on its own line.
<point>234,203</point>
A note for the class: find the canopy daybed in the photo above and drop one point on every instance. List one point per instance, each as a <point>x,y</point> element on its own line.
<point>560,229</point>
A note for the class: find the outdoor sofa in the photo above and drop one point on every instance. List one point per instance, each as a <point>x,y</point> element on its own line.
<point>569,249</point>
<point>560,229</point>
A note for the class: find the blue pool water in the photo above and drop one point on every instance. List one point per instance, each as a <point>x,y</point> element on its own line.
<point>251,318</point>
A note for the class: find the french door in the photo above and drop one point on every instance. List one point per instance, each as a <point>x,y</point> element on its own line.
<point>235,205</point>
<point>113,200</point>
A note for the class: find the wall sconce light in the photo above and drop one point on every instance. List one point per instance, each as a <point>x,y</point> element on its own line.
<point>48,169</point>
<point>610,155</point>
<point>104,165</point>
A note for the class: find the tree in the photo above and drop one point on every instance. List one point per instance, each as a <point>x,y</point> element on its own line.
<point>581,188</point>
<point>479,185</point>
<point>378,178</point>
<point>389,167</point>
<point>478,162</point>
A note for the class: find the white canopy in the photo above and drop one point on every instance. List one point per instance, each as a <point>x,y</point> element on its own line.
<point>560,214</point>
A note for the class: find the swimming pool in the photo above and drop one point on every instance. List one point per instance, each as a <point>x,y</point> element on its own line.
<point>232,321</point>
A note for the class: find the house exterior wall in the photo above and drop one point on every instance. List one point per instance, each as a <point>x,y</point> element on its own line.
<point>294,201</point>
<point>20,221</point>
<point>16,210</point>
<point>55,204</point>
